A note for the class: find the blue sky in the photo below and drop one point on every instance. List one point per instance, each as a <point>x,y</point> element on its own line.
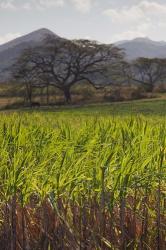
<point>103,20</point>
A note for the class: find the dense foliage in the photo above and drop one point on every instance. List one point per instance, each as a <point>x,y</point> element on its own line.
<point>82,182</point>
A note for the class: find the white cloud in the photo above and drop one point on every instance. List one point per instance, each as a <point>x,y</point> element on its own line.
<point>43,4</point>
<point>27,5</point>
<point>8,37</point>
<point>82,5</point>
<point>124,15</point>
<point>139,31</point>
<point>7,4</point>
<point>143,11</point>
<point>139,20</point>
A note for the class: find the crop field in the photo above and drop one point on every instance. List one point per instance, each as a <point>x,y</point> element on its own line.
<point>84,178</point>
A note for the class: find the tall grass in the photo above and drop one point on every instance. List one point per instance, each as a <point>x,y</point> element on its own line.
<point>77,182</point>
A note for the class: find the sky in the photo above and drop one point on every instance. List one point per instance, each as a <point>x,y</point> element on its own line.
<point>106,21</point>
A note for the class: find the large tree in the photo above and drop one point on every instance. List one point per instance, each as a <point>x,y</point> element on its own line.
<point>64,63</point>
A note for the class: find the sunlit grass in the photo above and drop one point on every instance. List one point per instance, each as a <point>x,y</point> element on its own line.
<point>72,180</point>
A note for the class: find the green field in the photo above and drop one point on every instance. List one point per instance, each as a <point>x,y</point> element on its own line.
<point>141,107</point>
<point>85,178</point>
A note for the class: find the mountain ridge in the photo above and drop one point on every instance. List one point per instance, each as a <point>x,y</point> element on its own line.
<point>141,39</point>
<point>143,47</point>
<point>36,35</point>
<point>10,51</point>
<point>138,47</point>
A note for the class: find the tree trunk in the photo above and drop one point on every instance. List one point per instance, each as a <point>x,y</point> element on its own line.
<point>149,87</point>
<point>48,101</point>
<point>29,93</point>
<point>41,95</point>
<point>67,95</point>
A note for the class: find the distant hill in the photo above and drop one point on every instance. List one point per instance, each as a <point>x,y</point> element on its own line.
<point>10,52</point>
<point>143,47</point>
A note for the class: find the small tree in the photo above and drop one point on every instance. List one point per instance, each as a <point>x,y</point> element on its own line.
<point>149,72</point>
<point>26,78</point>
<point>23,73</point>
<point>121,73</point>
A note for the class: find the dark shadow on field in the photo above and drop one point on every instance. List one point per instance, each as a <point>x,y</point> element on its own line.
<point>144,107</point>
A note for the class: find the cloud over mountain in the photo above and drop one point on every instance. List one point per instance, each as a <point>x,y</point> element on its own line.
<point>146,18</point>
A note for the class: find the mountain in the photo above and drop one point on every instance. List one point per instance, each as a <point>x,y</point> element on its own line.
<point>33,37</point>
<point>143,47</point>
<point>10,52</point>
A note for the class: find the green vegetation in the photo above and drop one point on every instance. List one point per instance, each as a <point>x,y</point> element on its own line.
<point>142,107</point>
<point>147,107</point>
<point>84,178</point>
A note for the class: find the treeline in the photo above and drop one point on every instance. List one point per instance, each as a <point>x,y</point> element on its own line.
<point>62,64</point>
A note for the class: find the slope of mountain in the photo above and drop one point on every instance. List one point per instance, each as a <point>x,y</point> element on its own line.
<point>10,51</point>
<point>143,47</point>
<point>34,37</point>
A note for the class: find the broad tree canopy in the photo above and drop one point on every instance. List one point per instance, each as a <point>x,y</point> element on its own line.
<point>64,63</point>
